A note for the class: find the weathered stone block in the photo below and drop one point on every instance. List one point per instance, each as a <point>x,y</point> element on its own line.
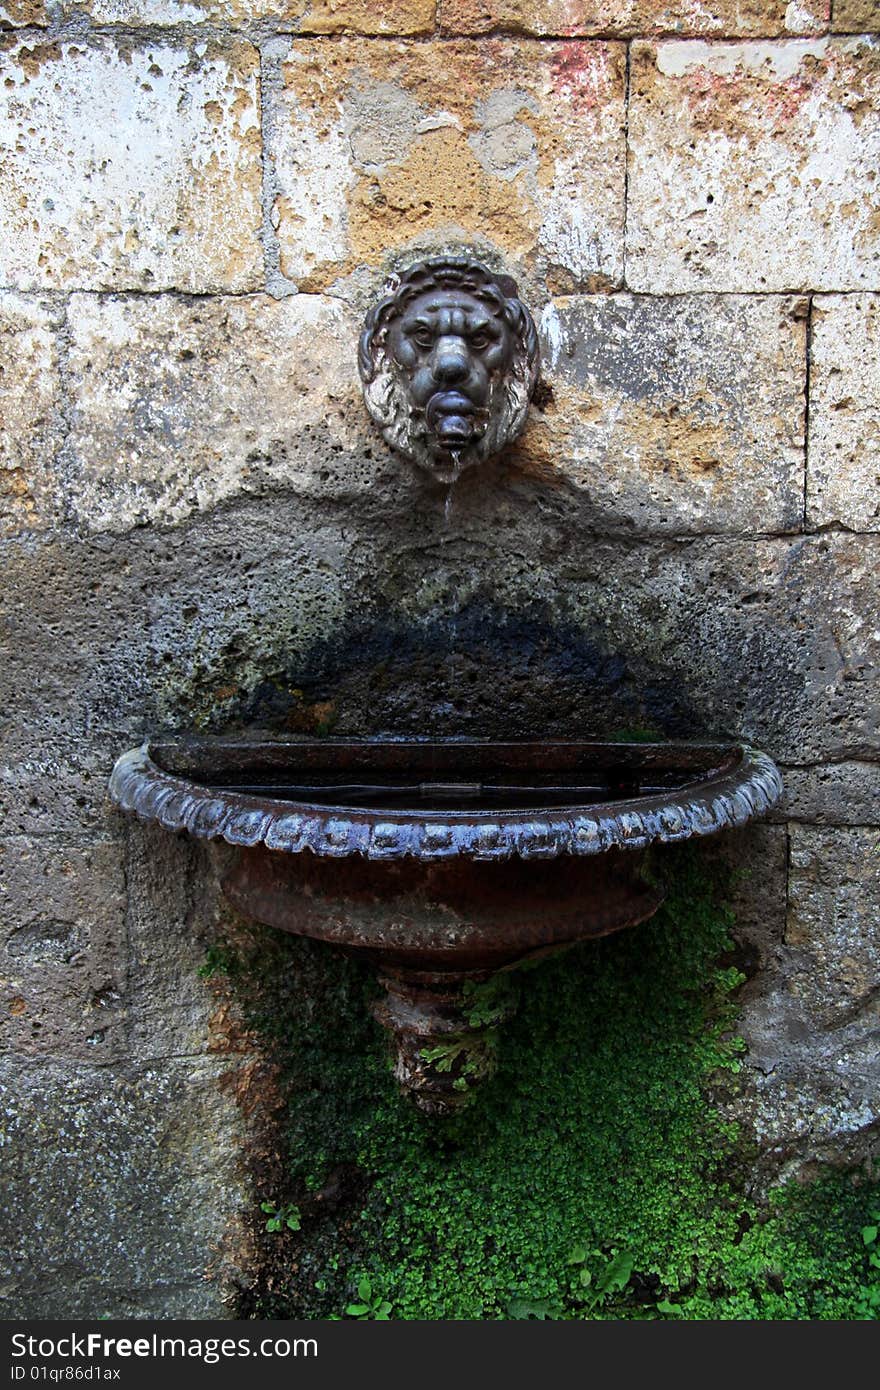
<point>834,921</point>
<point>381,146</point>
<point>62,929</point>
<point>753,166</point>
<point>774,641</point>
<point>856,16</point>
<point>303,16</point>
<point>843,466</point>
<point>809,1097</point>
<point>109,642</point>
<point>750,866</point>
<point>147,1162</point>
<point>845,793</point>
<point>130,167</point>
<point>180,404</point>
<point>30,424</point>
<point>169,931</point>
<point>664,415</point>
<point>560,17</point>
<point>51,783</point>
<point>470,624</point>
<point>812,1083</point>
<point>19,14</point>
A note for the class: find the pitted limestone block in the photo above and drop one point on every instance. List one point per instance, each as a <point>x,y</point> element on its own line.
<point>667,419</point>
<point>775,640</point>
<point>379,146</point>
<point>62,957</point>
<point>846,793</point>
<point>130,166</point>
<point>110,639</point>
<point>147,1161</point>
<point>181,404</point>
<point>753,165</point>
<point>50,782</point>
<point>856,16</point>
<point>301,16</point>
<point>833,927</point>
<point>751,865</point>
<point>843,467</point>
<point>20,14</point>
<point>170,1005</point>
<point>400,620</point>
<point>807,1096</point>
<point>559,17</point>
<point>30,422</point>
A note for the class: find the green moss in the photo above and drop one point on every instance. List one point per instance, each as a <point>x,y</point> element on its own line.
<point>594,1176</point>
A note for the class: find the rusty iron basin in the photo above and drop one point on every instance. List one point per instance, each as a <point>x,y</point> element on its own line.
<point>446,864</point>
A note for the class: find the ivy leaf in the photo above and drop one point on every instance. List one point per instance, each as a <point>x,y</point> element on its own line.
<point>615,1275</point>
<point>670,1309</point>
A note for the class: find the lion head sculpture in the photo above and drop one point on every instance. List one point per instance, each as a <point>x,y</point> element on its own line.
<point>449,361</point>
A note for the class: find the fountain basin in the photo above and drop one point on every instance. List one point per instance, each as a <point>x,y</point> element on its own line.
<point>446,864</point>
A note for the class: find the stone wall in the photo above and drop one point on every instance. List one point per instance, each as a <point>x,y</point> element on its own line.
<point>202,528</point>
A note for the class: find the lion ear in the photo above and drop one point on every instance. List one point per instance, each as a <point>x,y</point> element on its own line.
<point>366,360</point>
<point>507,285</point>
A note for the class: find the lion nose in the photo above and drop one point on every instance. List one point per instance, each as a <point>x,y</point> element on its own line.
<point>450,361</point>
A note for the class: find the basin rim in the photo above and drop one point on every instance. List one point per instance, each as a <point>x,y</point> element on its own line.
<point>705,806</point>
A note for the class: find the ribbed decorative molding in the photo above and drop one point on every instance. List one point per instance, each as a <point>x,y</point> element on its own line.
<point>703,807</point>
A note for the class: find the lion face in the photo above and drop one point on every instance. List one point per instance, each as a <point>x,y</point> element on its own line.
<point>449,361</point>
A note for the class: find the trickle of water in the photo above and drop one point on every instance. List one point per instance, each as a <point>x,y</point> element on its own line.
<point>455,455</point>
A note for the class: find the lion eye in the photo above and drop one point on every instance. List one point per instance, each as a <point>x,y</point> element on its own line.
<point>480,341</point>
<point>423,338</point>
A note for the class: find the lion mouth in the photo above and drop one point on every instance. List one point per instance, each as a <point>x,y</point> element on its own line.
<point>454,421</point>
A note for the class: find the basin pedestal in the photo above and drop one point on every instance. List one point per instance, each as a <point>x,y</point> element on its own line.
<point>445,937</point>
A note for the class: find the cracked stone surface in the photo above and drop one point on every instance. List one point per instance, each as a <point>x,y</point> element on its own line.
<point>845,793</point>
<point>379,146</point>
<point>753,165</point>
<point>661,416</point>
<point>151,1198</point>
<point>833,922</point>
<point>63,950</point>
<point>130,166</point>
<point>843,467</point>
<point>300,16</point>
<point>724,17</point>
<point>180,404</point>
<point>31,426</point>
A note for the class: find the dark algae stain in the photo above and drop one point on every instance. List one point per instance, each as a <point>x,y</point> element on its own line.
<point>595,1176</point>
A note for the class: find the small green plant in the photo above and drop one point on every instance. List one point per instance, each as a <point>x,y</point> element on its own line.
<point>533,1310</point>
<point>372,1306</point>
<point>444,1056</point>
<point>869,1301</point>
<point>611,1277</point>
<point>281,1218</point>
<point>491,1001</point>
<point>471,1057</point>
<point>217,962</point>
